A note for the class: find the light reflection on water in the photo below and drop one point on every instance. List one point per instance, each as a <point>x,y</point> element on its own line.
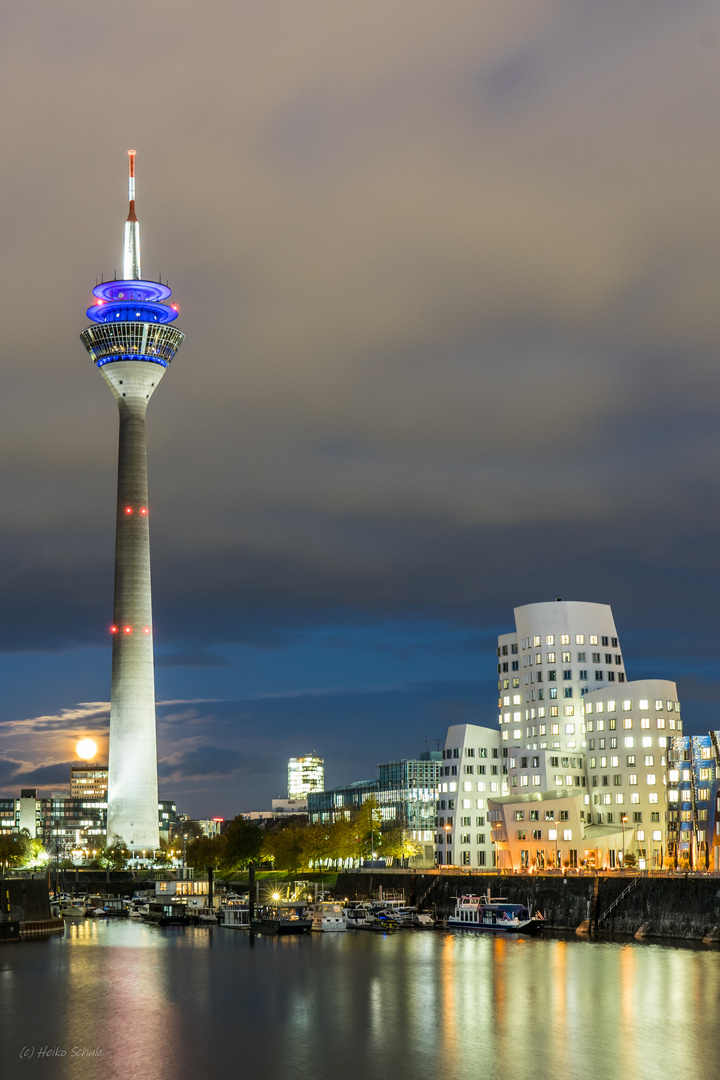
<point>177,1003</point>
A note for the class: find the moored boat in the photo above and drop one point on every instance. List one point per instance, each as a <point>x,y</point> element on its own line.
<point>76,910</point>
<point>494,916</point>
<point>235,917</point>
<point>327,916</point>
<point>364,917</point>
<point>281,919</point>
<point>167,913</point>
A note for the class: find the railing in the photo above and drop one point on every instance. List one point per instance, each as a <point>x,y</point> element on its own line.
<point>618,899</point>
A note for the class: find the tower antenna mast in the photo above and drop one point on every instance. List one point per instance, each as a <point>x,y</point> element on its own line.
<point>131,258</point>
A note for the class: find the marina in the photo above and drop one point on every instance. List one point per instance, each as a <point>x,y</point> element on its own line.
<point>178,1000</point>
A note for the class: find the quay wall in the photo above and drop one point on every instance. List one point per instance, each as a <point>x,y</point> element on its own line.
<point>664,907</point>
<point>29,894</point>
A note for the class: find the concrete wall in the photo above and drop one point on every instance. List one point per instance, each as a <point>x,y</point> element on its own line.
<point>30,894</point>
<point>672,907</point>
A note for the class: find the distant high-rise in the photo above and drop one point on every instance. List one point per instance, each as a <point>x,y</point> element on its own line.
<point>305,774</point>
<point>88,781</point>
<point>132,344</point>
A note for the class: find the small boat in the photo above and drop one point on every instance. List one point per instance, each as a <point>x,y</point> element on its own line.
<point>287,918</point>
<point>235,917</point>
<point>167,913</point>
<point>494,916</point>
<point>364,917</point>
<point>73,910</point>
<point>327,915</point>
<point>206,916</point>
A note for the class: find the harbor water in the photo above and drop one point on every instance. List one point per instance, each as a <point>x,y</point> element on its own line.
<point>124,999</point>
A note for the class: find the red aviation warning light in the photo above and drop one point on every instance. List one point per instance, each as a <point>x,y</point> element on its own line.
<point>143,510</point>
<point>113,629</point>
<point>128,629</point>
<point>146,629</point>
<point>128,509</point>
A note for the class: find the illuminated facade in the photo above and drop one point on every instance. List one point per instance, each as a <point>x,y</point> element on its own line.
<point>88,782</point>
<point>472,770</point>
<point>132,344</point>
<point>628,734</point>
<point>560,651</point>
<point>693,809</point>
<point>406,792</point>
<point>305,774</point>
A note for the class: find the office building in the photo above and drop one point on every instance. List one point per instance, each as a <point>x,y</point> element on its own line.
<point>305,774</point>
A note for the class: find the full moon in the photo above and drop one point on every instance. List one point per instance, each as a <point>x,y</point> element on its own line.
<point>86,749</point>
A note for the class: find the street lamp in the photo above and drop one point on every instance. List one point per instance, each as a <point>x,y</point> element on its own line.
<point>557,857</point>
<point>623,819</point>
<point>447,840</point>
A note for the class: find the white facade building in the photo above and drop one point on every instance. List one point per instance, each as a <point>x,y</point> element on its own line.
<point>628,734</point>
<point>538,831</point>
<point>471,772</point>
<point>559,652</point>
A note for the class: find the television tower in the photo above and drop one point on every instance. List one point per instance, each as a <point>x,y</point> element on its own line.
<point>132,344</point>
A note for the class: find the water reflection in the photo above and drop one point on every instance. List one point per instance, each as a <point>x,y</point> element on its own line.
<point>175,1002</point>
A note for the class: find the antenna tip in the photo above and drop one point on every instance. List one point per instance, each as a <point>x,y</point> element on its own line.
<point>132,153</point>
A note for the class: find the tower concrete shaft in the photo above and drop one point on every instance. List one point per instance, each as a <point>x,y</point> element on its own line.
<point>132,759</point>
<point>132,345</point>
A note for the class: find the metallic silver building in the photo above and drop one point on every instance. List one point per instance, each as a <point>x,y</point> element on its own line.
<point>132,344</point>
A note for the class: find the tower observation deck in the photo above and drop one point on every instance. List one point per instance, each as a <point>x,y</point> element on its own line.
<point>132,344</point>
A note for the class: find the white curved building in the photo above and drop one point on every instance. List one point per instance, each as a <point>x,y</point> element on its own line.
<point>560,651</point>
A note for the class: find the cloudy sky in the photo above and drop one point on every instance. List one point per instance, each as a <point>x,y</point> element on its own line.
<point>449,276</point>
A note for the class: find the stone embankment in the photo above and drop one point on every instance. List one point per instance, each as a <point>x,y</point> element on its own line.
<point>676,906</point>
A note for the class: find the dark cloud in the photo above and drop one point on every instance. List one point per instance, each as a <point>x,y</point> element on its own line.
<point>447,275</point>
<point>56,775</point>
<point>201,763</point>
<point>9,772</point>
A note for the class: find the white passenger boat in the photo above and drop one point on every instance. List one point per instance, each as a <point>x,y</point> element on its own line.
<point>235,917</point>
<point>494,916</point>
<point>327,915</point>
<point>75,910</point>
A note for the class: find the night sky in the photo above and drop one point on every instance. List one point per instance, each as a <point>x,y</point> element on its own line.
<point>449,275</point>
